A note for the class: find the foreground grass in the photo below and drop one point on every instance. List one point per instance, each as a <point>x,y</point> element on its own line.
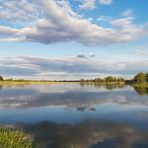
<point>14,139</point>
<point>26,82</point>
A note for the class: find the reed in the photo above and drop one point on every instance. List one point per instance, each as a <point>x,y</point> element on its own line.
<point>14,139</point>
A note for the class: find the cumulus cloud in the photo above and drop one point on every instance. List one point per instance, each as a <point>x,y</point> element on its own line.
<point>18,11</point>
<point>59,23</point>
<point>75,66</point>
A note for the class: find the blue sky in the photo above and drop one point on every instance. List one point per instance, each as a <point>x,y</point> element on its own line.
<point>73,38</point>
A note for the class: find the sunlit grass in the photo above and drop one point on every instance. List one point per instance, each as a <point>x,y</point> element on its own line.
<point>14,139</point>
<point>25,82</point>
<point>31,82</point>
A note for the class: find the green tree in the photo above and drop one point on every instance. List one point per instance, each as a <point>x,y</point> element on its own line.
<point>1,78</point>
<point>110,79</point>
<point>140,78</point>
<point>82,80</point>
<point>120,80</point>
<point>98,80</point>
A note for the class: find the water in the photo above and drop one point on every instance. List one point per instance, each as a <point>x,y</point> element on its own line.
<point>78,116</point>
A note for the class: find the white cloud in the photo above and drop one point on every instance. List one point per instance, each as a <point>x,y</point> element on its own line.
<point>18,11</point>
<point>4,30</point>
<point>105,18</point>
<point>59,23</point>
<point>126,13</point>
<point>92,4</point>
<point>88,4</point>
<point>105,2</point>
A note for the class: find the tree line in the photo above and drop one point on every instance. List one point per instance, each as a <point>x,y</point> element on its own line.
<point>139,78</point>
<point>106,79</point>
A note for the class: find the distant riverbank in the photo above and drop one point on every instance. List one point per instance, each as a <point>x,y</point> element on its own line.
<point>139,80</point>
<point>42,82</point>
<point>36,82</point>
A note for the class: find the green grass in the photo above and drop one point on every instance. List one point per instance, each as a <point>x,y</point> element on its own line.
<point>14,139</point>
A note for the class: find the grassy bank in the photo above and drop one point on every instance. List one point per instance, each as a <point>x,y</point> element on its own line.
<point>32,82</point>
<point>42,82</point>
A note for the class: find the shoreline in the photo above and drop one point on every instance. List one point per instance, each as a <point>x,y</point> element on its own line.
<point>44,82</point>
<point>33,82</point>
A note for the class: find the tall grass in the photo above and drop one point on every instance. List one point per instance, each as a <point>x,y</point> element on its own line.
<point>29,82</point>
<point>14,139</point>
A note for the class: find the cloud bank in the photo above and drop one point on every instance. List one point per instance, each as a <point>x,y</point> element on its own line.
<point>52,21</point>
<point>75,67</point>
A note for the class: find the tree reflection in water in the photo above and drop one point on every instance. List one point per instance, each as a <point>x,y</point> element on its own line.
<point>87,134</point>
<point>141,90</point>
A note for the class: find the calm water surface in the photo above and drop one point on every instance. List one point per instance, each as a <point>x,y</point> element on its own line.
<point>78,116</point>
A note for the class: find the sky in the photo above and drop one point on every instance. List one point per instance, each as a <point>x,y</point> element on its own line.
<point>73,39</point>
